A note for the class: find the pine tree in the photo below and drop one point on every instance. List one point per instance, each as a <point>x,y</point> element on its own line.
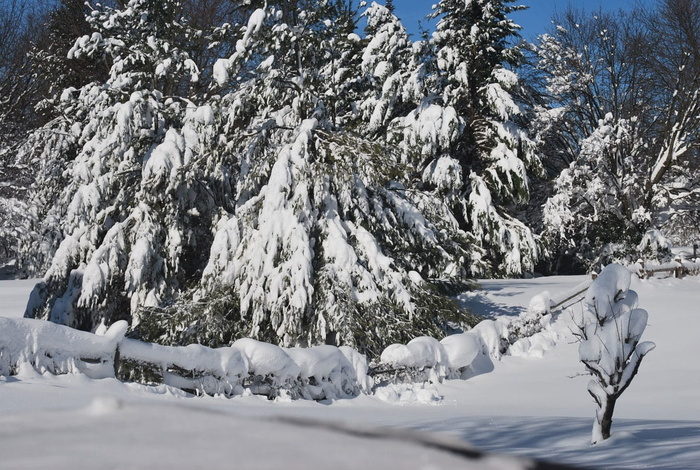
<point>254,209</point>
<point>464,134</point>
<point>322,245</point>
<point>128,211</point>
<point>385,62</point>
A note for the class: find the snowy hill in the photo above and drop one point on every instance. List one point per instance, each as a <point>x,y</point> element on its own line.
<point>529,406</point>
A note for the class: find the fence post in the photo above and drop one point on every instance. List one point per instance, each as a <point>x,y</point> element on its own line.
<point>679,269</point>
<point>642,271</point>
<point>117,358</point>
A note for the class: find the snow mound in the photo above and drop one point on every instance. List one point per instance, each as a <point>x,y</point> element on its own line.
<point>461,350</point>
<point>247,366</point>
<point>326,373</point>
<point>409,394</point>
<point>47,347</point>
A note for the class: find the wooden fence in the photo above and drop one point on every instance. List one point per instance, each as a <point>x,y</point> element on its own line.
<point>678,268</point>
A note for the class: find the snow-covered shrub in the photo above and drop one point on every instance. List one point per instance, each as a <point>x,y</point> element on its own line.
<point>655,246</point>
<point>461,349</point>
<point>493,336</point>
<point>610,329</point>
<point>56,349</point>
<point>359,364</point>
<point>247,366</point>
<point>531,321</point>
<point>193,368</point>
<point>423,359</point>
<point>271,371</point>
<point>326,372</point>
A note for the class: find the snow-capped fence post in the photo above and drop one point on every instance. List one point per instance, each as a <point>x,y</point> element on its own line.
<point>678,273</point>
<point>610,327</point>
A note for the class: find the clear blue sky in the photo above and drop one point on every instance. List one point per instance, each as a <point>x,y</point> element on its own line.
<point>534,20</point>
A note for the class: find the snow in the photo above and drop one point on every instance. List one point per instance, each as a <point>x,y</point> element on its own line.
<point>461,350</point>
<point>220,71</point>
<point>48,347</point>
<point>267,359</point>
<point>531,406</point>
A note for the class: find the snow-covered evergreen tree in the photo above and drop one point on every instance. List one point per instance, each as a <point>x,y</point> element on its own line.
<point>386,59</point>
<point>464,135</point>
<point>254,212</point>
<point>322,245</point>
<point>129,211</point>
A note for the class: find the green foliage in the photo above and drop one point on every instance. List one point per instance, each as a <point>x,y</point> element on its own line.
<point>213,321</point>
<point>376,326</point>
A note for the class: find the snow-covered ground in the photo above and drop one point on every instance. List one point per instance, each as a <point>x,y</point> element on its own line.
<point>529,406</point>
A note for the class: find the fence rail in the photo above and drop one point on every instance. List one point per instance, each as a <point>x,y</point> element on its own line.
<point>678,268</point>
<point>321,372</point>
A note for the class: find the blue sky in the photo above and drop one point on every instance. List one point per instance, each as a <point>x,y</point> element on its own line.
<point>534,20</point>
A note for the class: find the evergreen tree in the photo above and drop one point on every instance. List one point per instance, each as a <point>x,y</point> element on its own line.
<point>464,133</point>
<point>127,211</point>
<point>322,245</point>
<point>385,62</point>
<point>258,212</point>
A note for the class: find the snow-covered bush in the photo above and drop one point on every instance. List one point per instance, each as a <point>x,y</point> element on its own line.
<point>531,321</point>
<point>655,246</point>
<point>56,349</point>
<point>328,373</point>
<point>194,368</point>
<point>422,359</point>
<point>247,366</point>
<point>493,336</point>
<point>610,329</point>
<point>270,368</point>
<point>462,349</point>
<point>463,355</point>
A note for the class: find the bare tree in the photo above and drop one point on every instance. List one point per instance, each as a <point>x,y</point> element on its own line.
<point>674,184</point>
<point>635,74</point>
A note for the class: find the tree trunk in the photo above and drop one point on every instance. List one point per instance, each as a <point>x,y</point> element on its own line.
<point>603,420</point>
